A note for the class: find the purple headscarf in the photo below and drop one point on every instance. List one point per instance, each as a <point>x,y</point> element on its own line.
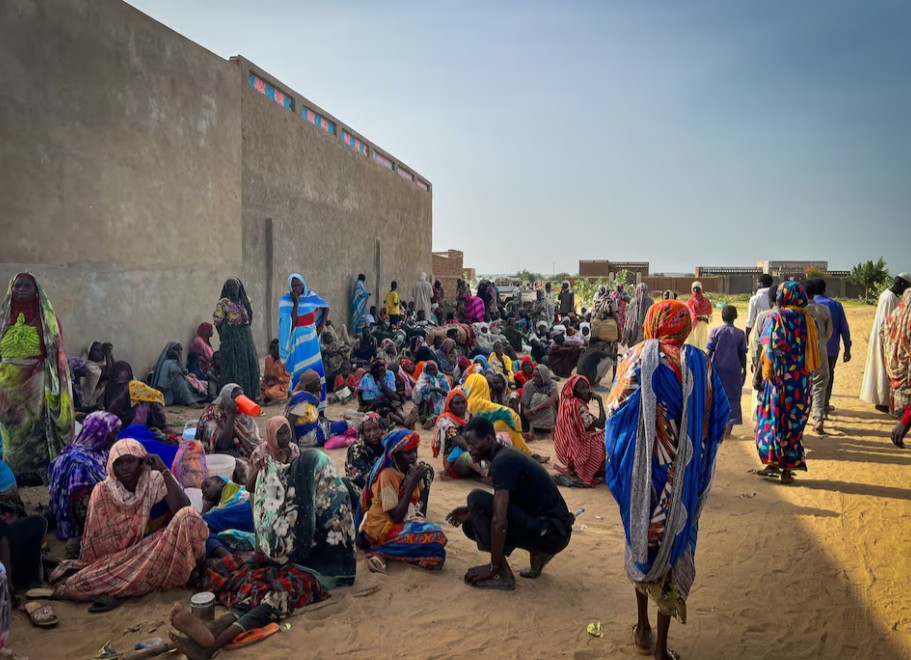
<point>78,467</point>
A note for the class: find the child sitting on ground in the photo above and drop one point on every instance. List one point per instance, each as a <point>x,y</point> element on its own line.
<point>727,348</point>
<point>311,428</point>
<point>345,379</point>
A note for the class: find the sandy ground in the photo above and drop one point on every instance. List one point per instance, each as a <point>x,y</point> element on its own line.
<point>812,570</point>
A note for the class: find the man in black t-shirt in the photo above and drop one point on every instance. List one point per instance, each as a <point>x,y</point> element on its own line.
<point>525,511</point>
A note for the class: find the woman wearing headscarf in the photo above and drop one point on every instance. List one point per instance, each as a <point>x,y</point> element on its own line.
<point>666,418</point>
<point>301,316</point>
<point>602,307</point>
<point>311,427</point>
<point>364,452</point>
<point>225,430</point>
<point>147,406</point>
<point>74,472</point>
<point>475,309</point>
<point>579,435</point>
<point>897,353</point>
<point>422,295</point>
<point>391,518</point>
<point>117,557</point>
<point>302,514</point>
<point>202,344</point>
<point>539,402</point>
<point>117,392</point>
<point>635,315</point>
<point>439,294</point>
<point>228,513</point>
<point>567,300</point>
<point>36,404</point>
<point>789,355</point>
<point>620,300</point>
<point>170,377</point>
<point>359,298</point>
<point>503,418</point>
<point>232,317</point>
<point>701,310</point>
<point>430,392</point>
<point>279,444</point>
<point>448,358</point>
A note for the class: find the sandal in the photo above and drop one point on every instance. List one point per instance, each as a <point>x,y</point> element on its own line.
<point>673,655</point>
<point>376,565</point>
<point>639,649</point>
<point>252,636</point>
<point>105,603</point>
<point>40,615</point>
<point>495,583</point>
<point>787,477</point>
<point>769,472</point>
<point>41,593</point>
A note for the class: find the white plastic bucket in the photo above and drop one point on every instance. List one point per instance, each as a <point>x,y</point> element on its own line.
<point>195,495</point>
<point>220,464</point>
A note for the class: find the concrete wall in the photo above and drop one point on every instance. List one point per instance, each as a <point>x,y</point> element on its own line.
<point>329,208</point>
<point>120,148</point>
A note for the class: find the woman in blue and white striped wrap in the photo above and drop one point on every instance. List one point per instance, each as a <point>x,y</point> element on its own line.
<point>301,316</point>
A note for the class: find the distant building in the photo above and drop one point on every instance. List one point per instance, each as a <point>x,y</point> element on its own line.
<point>774,267</point>
<point>599,268</point>
<point>448,267</point>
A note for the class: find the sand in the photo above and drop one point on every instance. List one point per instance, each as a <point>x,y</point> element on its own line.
<point>818,569</point>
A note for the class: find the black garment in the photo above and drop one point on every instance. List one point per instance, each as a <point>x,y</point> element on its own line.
<point>25,537</point>
<point>249,617</point>
<point>567,302</point>
<point>513,336</point>
<point>547,535</point>
<point>425,354</point>
<point>590,360</point>
<point>833,362</point>
<point>530,487</point>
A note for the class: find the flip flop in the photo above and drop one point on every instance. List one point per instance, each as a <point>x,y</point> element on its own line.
<point>253,636</point>
<point>105,603</point>
<point>40,615</point>
<point>41,593</point>
<point>376,565</point>
<point>495,584</point>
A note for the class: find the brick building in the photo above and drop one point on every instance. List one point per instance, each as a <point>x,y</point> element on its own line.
<point>602,268</point>
<point>448,267</point>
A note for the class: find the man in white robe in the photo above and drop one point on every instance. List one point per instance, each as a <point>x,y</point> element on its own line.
<point>422,294</point>
<point>875,388</point>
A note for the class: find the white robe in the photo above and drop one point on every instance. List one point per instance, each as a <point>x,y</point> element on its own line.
<point>875,388</point>
<point>421,295</point>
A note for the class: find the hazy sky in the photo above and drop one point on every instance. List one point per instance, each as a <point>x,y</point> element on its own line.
<point>682,133</point>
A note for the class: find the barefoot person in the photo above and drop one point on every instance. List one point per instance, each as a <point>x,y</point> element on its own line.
<point>525,511</point>
<point>256,592</point>
<point>393,506</point>
<point>659,476</point>
<point>579,435</point>
<point>117,558</point>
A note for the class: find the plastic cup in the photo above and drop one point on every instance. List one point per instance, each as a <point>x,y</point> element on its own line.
<point>247,406</point>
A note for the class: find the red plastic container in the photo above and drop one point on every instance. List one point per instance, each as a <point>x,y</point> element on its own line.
<point>247,406</point>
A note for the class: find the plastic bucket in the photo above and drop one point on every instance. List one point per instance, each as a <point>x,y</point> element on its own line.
<point>221,464</point>
<point>247,406</point>
<point>195,495</point>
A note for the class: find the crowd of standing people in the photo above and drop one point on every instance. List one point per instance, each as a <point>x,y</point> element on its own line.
<point>486,374</point>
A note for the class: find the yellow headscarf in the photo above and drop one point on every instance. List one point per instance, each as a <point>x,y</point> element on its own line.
<point>477,391</point>
<point>140,392</point>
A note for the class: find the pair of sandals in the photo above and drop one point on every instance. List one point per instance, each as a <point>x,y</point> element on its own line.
<point>43,615</point>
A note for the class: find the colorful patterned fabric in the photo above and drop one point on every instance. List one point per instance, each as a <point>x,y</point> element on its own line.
<point>577,442</point>
<point>302,515</point>
<point>116,557</point>
<point>298,343</point>
<point>246,436</point>
<point>270,446</point>
<point>413,541</point>
<point>897,353</point>
<point>620,301</point>
<point>140,392</point>
<point>423,391</point>
<point>36,405</point>
<point>635,315</point>
<point>503,418</point>
<point>790,353</point>
<point>255,579</point>
<point>359,306</point>
<point>474,309</point>
<point>661,444</point>
<point>77,468</point>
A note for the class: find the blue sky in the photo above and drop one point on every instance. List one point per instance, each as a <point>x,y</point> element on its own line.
<point>682,133</point>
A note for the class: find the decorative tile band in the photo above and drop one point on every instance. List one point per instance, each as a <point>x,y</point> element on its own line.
<point>382,160</point>
<point>354,143</point>
<point>318,120</point>
<point>422,185</point>
<point>270,92</point>
<point>405,174</point>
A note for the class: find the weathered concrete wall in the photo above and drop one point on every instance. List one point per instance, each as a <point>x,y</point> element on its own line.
<point>328,205</point>
<point>120,157</point>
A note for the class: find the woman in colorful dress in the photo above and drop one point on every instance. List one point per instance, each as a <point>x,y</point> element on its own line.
<point>302,514</point>
<point>202,345</point>
<point>392,510</point>
<point>364,452</point>
<point>301,316</point>
<point>448,441</point>
<point>359,299</point>
<point>661,445</point>
<point>503,418</point>
<point>897,354</point>
<point>232,317</point>
<point>579,435</point>
<point>74,473</point>
<point>170,378</point>
<point>225,430</point>
<point>540,399</point>
<point>701,310</point>
<point>430,392</point>
<point>117,557</point>
<point>635,315</point>
<point>790,354</point>
<point>36,404</point>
